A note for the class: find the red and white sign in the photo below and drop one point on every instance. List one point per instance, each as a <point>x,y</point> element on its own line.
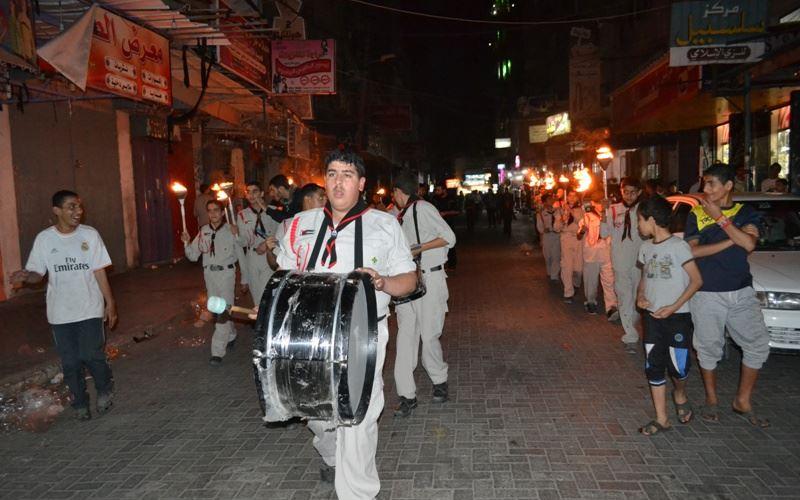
<point>106,52</point>
<point>303,67</point>
<point>248,55</point>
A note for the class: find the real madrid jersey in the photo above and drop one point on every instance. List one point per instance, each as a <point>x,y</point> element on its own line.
<point>69,261</point>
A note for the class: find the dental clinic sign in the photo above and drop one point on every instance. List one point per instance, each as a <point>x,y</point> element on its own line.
<point>717,32</point>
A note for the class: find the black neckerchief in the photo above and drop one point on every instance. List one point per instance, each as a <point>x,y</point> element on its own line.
<point>329,253</point>
<point>213,236</point>
<point>626,228</point>
<point>411,200</point>
<point>260,229</point>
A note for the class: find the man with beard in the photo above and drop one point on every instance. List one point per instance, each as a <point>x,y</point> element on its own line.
<point>344,225</point>
<point>623,227</point>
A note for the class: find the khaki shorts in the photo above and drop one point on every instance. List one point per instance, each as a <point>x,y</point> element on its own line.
<point>740,313</point>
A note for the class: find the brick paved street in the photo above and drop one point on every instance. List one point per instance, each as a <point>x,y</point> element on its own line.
<point>545,404</point>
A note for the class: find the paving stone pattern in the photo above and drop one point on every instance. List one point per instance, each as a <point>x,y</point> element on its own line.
<point>545,404</point>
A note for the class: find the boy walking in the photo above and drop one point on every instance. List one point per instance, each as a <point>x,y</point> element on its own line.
<point>722,233</point>
<point>217,242</point>
<point>597,261</point>
<point>551,244</point>
<point>567,224</point>
<point>79,299</point>
<point>669,278</point>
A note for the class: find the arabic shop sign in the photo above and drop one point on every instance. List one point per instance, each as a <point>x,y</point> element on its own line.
<point>128,60</point>
<point>17,32</point>
<point>721,32</point>
<point>558,124</point>
<point>303,67</point>
<point>247,56</point>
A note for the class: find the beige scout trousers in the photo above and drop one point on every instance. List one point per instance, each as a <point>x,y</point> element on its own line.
<point>571,263</point>
<point>421,319</point>
<point>551,248</point>
<point>626,283</point>
<point>221,284</point>
<point>602,270</point>
<point>258,274</point>
<point>352,449</point>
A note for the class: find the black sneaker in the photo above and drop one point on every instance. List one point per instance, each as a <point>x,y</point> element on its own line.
<point>613,315</point>
<point>231,345</point>
<point>215,361</point>
<point>105,402</point>
<point>568,300</point>
<point>591,308</point>
<point>405,407</point>
<point>440,394</point>
<point>327,473</point>
<point>83,413</point>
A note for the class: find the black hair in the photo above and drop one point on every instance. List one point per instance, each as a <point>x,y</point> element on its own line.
<point>60,196</point>
<point>630,181</point>
<point>309,190</point>
<point>348,157</point>
<point>658,208</point>
<point>546,197</point>
<point>253,182</point>
<point>721,171</point>
<point>204,188</point>
<point>279,181</point>
<point>406,183</point>
<point>216,202</point>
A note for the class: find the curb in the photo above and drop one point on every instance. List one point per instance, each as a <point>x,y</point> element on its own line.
<point>43,372</point>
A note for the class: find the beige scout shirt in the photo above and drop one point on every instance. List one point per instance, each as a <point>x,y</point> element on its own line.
<point>224,246</point>
<point>431,226</point>
<point>385,247</point>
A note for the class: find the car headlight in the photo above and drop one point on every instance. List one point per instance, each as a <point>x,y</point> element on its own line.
<point>779,300</point>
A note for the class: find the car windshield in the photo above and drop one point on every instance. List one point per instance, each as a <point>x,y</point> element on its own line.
<point>780,229</point>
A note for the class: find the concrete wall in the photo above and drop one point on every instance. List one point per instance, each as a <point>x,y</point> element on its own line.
<point>61,146</point>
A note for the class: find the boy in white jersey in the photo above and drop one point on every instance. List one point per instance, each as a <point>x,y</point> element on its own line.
<point>79,299</point>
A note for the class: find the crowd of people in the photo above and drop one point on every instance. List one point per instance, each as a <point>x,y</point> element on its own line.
<point>683,294</point>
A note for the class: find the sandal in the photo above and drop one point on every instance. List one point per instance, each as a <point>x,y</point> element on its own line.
<point>652,428</point>
<point>751,418</point>
<point>710,414</point>
<point>684,411</point>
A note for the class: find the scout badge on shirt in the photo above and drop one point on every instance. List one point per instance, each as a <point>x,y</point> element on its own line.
<point>85,246</point>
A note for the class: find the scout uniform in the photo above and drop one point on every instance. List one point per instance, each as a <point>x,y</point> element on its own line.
<point>255,226</point>
<point>597,263</point>
<point>551,241</point>
<point>218,248</point>
<point>351,449</point>
<point>622,226</point>
<point>571,249</point>
<point>424,317</point>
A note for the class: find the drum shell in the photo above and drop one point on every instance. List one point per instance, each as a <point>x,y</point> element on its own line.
<point>302,347</point>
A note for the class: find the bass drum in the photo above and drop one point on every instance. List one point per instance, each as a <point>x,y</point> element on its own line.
<point>316,341</point>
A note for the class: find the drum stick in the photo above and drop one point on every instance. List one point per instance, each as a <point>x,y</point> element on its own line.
<point>218,305</point>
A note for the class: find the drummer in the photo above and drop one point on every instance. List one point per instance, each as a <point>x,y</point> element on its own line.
<point>422,319</point>
<point>349,452</point>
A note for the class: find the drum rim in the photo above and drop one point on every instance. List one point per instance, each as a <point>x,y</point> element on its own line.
<point>360,411</point>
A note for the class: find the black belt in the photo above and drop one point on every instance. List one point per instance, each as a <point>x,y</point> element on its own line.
<point>433,269</point>
<point>217,267</point>
<point>381,318</point>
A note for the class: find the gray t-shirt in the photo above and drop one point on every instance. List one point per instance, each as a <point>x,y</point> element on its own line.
<point>662,268</point>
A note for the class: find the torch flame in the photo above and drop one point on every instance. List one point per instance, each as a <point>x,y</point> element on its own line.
<point>380,192</point>
<point>215,187</point>
<point>222,195</point>
<point>563,179</point>
<point>584,179</point>
<point>179,189</point>
<point>225,185</point>
<point>604,153</point>
<point>549,181</point>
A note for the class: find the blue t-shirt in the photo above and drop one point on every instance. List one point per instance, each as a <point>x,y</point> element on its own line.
<point>728,270</point>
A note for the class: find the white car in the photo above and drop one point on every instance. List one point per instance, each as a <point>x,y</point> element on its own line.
<point>774,264</point>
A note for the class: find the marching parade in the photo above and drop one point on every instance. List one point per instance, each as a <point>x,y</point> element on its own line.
<point>250,223</point>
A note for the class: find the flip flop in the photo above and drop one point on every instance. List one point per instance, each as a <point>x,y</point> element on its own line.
<point>710,414</point>
<point>751,418</point>
<point>684,411</point>
<point>652,428</point>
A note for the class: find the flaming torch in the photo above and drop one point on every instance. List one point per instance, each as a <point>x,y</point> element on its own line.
<point>584,179</point>
<point>226,202</point>
<point>549,181</point>
<point>564,181</point>
<point>604,157</point>
<point>180,192</point>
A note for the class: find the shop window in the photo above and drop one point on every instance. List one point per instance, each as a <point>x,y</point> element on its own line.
<point>782,153</point>
<point>723,149</point>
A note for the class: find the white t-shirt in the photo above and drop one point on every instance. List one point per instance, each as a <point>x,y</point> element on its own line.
<point>663,272</point>
<point>70,260</point>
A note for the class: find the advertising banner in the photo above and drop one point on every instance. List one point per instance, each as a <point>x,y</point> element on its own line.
<point>128,60</point>
<point>248,55</point>
<point>558,124</point>
<point>303,67</point>
<point>17,32</point>
<point>720,32</point>
<point>537,134</point>
<point>106,52</point>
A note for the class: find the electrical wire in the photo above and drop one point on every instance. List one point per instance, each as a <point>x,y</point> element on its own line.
<point>506,23</point>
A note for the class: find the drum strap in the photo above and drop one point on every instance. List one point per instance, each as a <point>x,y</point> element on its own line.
<point>358,251</point>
